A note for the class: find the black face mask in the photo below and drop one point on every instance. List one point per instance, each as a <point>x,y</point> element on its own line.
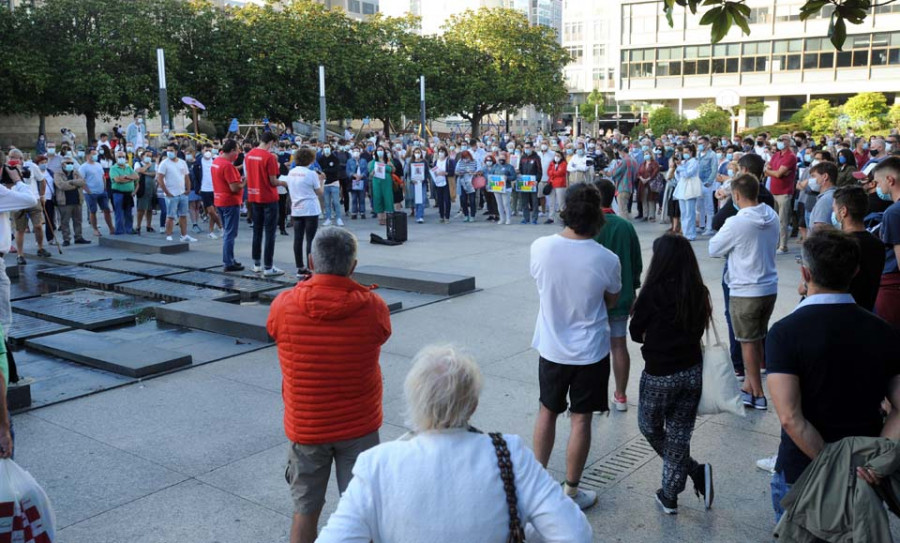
<point>874,152</point>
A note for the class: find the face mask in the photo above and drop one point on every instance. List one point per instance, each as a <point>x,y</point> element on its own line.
<point>830,143</point>
<point>736,208</point>
<point>464,148</point>
<point>882,195</point>
<point>80,154</point>
<point>813,184</point>
<point>417,156</point>
<point>93,157</point>
<point>569,151</point>
<point>888,147</point>
<point>646,156</point>
<point>442,154</point>
<point>510,148</point>
<point>488,163</point>
<point>502,161</point>
<point>215,152</point>
<point>729,157</point>
<point>51,151</point>
<point>452,149</point>
<point>170,154</point>
<point>69,167</point>
<point>43,167</point>
<point>355,154</point>
<point>380,154</point>
<point>686,156</point>
<point>495,149</point>
<point>813,163</point>
<point>834,221</point>
<point>326,151</point>
<point>842,159</point>
<point>130,149</point>
<point>730,172</point>
<point>556,159</point>
<point>528,152</point>
<point>780,145</point>
<point>13,163</point>
<point>580,152</point>
<point>701,148</point>
<point>719,156</point>
<point>148,160</point>
<point>874,152</point>
<point>644,147</point>
<point>189,157</point>
<point>670,149</point>
<point>121,160</point>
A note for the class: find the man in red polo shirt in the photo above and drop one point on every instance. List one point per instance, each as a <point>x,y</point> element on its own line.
<point>227,194</point>
<point>782,169</point>
<point>261,169</point>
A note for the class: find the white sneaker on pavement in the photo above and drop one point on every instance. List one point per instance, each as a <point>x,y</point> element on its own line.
<point>256,268</point>
<point>169,238</point>
<point>327,222</point>
<point>585,499</point>
<point>340,222</point>
<point>212,235</point>
<point>273,272</point>
<point>188,239</point>
<point>767,464</point>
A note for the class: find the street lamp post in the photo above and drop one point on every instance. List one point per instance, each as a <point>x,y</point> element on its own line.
<point>321,104</point>
<point>422,100</point>
<point>163,96</point>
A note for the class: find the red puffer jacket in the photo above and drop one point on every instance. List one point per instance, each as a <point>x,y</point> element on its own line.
<point>329,331</point>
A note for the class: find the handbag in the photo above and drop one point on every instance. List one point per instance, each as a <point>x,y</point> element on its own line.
<point>548,188</point>
<point>721,393</point>
<point>504,462</point>
<point>479,182</point>
<point>657,184</point>
<point>688,189</point>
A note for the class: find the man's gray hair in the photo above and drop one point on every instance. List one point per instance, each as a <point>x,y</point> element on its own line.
<point>442,389</point>
<point>334,251</point>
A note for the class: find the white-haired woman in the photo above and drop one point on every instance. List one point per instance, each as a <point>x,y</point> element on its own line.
<point>444,484</point>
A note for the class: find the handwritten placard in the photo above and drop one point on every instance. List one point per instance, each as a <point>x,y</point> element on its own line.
<point>514,161</point>
<point>417,171</point>
<point>380,170</point>
<point>526,183</point>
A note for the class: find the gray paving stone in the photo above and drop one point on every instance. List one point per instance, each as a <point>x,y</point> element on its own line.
<point>84,308</point>
<point>25,283</point>
<point>135,267</point>
<point>144,244</point>
<point>414,280</point>
<point>130,358</point>
<point>242,321</point>
<point>169,291</point>
<point>192,260</point>
<point>77,254</point>
<point>25,327</point>
<point>87,277</point>
<point>56,380</point>
<point>248,289</point>
<point>82,476</point>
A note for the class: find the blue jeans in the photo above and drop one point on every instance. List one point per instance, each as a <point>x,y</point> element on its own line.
<point>358,202</point>
<point>231,217</point>
<point>162,211</point>
<point>265,218</point>
<point>688,218</point>
<point>420,211</point>
<point>124,224</point>
<point>779,490</point>
<point>97,201</point>
<point>333,202</point>
<point>708,206</point>
<point>737,356</point>
<point>177,206</point>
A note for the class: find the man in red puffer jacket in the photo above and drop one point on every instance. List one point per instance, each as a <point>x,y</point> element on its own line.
<point>329,330</point>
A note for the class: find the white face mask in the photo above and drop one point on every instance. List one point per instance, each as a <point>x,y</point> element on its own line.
<point>813,184</point>
<point>207,154</point>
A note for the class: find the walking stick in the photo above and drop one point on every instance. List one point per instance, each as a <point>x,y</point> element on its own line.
<point>50,226</point>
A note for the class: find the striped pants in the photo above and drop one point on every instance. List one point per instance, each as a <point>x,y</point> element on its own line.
<point>667,410</point>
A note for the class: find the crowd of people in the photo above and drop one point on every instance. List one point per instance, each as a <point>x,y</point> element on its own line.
<point>838,196</point>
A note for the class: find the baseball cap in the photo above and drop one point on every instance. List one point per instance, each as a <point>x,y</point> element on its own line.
<point>861,177</point>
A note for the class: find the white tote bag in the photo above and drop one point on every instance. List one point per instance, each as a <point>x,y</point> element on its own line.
<point>688,189</point>
<point>721,392</point>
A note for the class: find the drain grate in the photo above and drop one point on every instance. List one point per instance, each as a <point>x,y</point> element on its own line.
<point>617,465</point>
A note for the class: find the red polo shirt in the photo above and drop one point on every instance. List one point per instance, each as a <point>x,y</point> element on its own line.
<point>259,164</point>
<point>785,183</point>
<point>223,174</point>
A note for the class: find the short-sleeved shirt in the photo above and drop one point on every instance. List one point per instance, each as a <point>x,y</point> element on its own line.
<point>784,184</point>
<point>206,183</point>
<point>890,236</point>
<point>223,174</point>
<point>813,343</point>
<point>93,177</point>
<point>259,164</point>
<point>173,175</point>
<point>302,186</point>
<point>117,171</point>
<point>572,278</point>
<point>821,212</point>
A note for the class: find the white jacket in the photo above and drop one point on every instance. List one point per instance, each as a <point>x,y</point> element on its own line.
<point>445,487</point>
<point>749,240</point>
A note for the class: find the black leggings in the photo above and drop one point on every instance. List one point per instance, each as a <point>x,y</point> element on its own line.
<point>304,226</point>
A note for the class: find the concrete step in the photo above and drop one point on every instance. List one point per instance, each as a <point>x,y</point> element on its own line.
<point>98,350</point>
<point>145,244</point>
<point>240,321</point>
<point>248,289</point>
<point>135,267</point>
<point>18,395</point>
<point>167,291</point>
<point>84,308</point>
<point>414,280</point>
<point>25,327</point>
<point>86,277</point>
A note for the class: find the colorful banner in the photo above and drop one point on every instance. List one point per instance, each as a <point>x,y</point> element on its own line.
<point>497,183</point>
<point>526,183</point>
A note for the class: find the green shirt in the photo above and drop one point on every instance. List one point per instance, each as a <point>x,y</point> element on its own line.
<point>117,171</point>
<point>618,236</point>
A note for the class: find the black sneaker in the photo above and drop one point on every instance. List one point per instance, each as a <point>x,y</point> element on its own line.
<point>81,241</point>
<point>20,260</point>
<point>702,477</point>
<point>65,243</point>
<point>236,267</point>
<point>43,252</point>
<point>669,507</point>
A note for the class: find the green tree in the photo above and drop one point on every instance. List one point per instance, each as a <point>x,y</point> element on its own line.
<point>712,120</point>
<point>893,115</point>
<point>819,116</point>
<point>663,118</point>
<point>595,101</point>
<point>519,64</point>
<point>722,14</point>
<point>867,111</point>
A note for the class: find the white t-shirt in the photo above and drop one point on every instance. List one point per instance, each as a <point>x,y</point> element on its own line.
<point>173,173</point>
<point>302,185</point>
<point>572,277</point>
<point>206,184</point>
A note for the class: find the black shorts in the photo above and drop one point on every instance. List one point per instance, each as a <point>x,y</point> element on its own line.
<point>208,198</point>
<point>585,386</point>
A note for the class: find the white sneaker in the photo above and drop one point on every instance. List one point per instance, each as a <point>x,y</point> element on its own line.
<point>420,221</point>
<point>507,222</point>
<point>327,223</point>
<point>188,239</point>
<point>273,272</point>
<point>340,222</point>
<point>212,235</point>
<point>256,268</point>
<point>585,499</point>
<point>620,405</point>
<point>767,464</point>
<point>169,238</point>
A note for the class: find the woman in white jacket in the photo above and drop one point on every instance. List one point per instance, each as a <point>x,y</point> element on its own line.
<point>444,484</point>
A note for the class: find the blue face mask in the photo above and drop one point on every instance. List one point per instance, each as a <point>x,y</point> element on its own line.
<point>729,157</point>
<point>736,208</point>
<point>842,159</point>
<point>701,147</point>
<point>730,173</point>
<point>686,156</point>
<point>170,154</point>
<point>780,145</point>
<point>882,195</point>
<point>834,222</point>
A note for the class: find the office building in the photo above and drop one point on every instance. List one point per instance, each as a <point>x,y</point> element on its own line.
<point>783,63</point>
<point>433,13</point>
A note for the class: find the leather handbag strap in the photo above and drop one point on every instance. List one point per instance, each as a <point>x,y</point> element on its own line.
<point>504,462</point>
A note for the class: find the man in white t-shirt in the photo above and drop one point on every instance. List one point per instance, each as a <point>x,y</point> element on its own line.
<point>173,178</point>
<point>203,170</point>
<point>577,279</point>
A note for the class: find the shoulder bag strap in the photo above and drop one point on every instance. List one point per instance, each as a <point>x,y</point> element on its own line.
<point>504,462</point>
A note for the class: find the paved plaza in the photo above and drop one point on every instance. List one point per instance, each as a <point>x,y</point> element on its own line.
<point>199,455</point>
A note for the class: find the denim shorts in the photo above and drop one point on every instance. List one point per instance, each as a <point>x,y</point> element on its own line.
<point>177,206</point>
<point>98,200</point>
<point>618,326</point>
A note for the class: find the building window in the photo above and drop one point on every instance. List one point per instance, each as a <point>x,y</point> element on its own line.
<point>576,52</point>
<point>573,31</point>
<point>759,16</point>
<point>353,6</point>
<point>369,9</point>
<point>726,58</point>
<point>892,8</point>
<point>599,54</point>
<point>787,13</point>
